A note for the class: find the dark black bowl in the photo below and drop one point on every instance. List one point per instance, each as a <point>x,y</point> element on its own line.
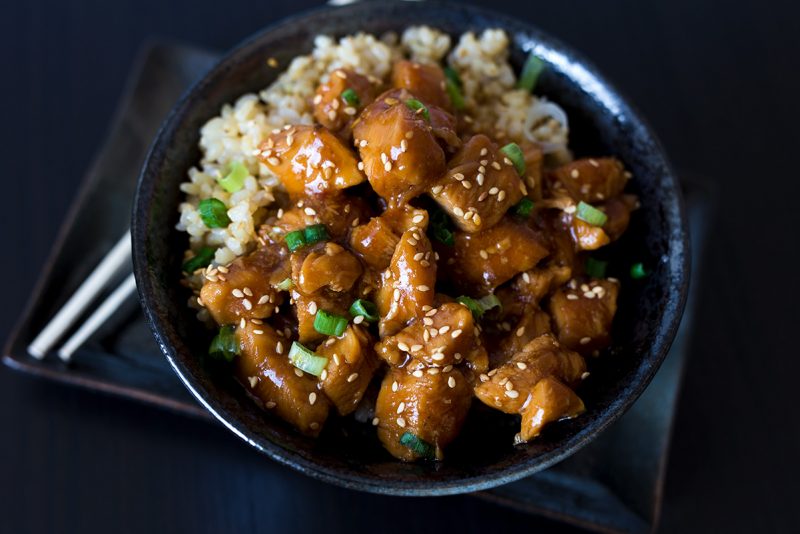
<point>347,453</point>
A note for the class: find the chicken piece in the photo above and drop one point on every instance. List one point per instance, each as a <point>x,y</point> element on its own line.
<point>532,286</point>
<point>442,337</point>
<point>555,227</point>
<point>400,147</point>
<point>534,168</point>
<point>432,407</point>
<point>618,210</point>
<point>264,369</point>
<point>479,262</point>
<point>478,187</point>
<point>550,401</point>
<point>310,160</point>
<point>477,363</point>
<point>425,80</point>
<point>586,236</point>
<point>329,266</point>
<point>582,315</point>
<point>509,386</point>
<point>376,240</point>
<point>332,110</point>
<point>592,180</point>
<point>351,365</point>
<point>532,323</point>
<point>407,291</point>
<point>339,213</point>
<point>246,287</point>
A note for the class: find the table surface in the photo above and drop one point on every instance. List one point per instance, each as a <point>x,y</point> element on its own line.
<point>720,85</point>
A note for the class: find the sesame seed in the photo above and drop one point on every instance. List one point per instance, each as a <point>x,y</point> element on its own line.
<point>417,373</point>
<point>423,288</point>
<point>402,346</point>
<point>394,385</point>
<point>270,404</point>
<point>253,381</point>
<point>247,304</point>
<point>312,398</point>
<point>483,377</point>
<point>358,319</point>
<point>574,173</point>
<point>438,356</point>
<point>263,300</point>
<point>272,62</point>
<point>458,176</point>
<point>418,219</point>
<point>503,381</point>
<point>447,368</point>
<point>512,394</point>
<point>427,321</point>
<point>445,329</point>
<point>401,422</point>
<point>484,151</point>
<point>352,377</point>
<point>247,291</point>
<point>492,372</point>
<point>375,421</point>
<point>479,178</point>
<point>336,359</point>
<point>493,191</point>
<point>413,242</point>
<point>508,161</point>
<point>332,113</point>
<point>317,99</point>
<point>409,134</point>
<point>314,426</point>
<point>425,335</point>
<point>496,166</point>
<point>350,110</point>
<point>509,386</point>
<point>396,295</point>
<point>483,196</point>
<point>242,323</point>
<point>522,365</point>
<point>484,254</point>
<point>466,184</point>
<point>324,374</point>
<point>585,375</point>
<point>585,340</point>
<point>501,195</point>
<point>526,277</point>
<point>258,332</point>
<point>237,293</point>
<point>520,331</point>
<point>593,163</point>
<point>572,296</point>
<point>298,372</point>
<point>437,189</point>
<point>433,371</point>
<point>341,74</point>
<point>451,382</point>
<point>401,407</point>
<point>416,348</point>
<point>589,295</point>
<point>456,333</point>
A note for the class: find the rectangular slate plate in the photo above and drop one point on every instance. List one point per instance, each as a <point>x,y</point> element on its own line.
<point>612,485</point>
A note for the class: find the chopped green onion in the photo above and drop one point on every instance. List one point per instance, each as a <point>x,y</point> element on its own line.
<point>440,227</point>
<point>479,306</point>
<point>351,97</point>
<point>306,360</point>
<point>213,213</point>
<point>591,215</point>
<point>596,268</point>
<point>453,87</point>
<point>638,271</point>
<point>417,106</point>
<point>201,259</point>
<point>224,346</point>
<point>285,284</point>
<point>419,446</point>
<point>234,180</point>
<point>295,240</point>
<point>530,72</point>
<point>368,310</point>
<point>315,233</point>
<point>329,323</point>
<point>523,208</point>
<point>514,153</point>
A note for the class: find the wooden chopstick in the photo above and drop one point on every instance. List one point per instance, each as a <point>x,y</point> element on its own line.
<point>100,315</point>
<point>118,257</point>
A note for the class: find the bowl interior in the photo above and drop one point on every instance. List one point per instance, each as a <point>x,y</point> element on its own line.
<point>349,453</point>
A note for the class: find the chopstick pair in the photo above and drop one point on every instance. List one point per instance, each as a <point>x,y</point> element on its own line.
<point>117,258</point>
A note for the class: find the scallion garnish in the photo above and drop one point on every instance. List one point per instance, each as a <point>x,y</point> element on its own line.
<point>224,346</point>
<point>638,271</point>
<point>530,72</point>
<point>329,323</point>
<point>479,306</point>
<point>234,180</point>
<point>315,233</point>
<point>213,213</point>
<point>419,446</point>
<point>306,360</point>
<point>453,87</point>
<point>351,97</point>
<point>295,240</point>
<point>523,208</point>
<point>591,215</point>
<point>285,284</point>
<point>418,107</point>
<point>441,227</point>
<point>201,259</point>
<point>596,268</point>
<point>368,310</point>
<point>514,153</point>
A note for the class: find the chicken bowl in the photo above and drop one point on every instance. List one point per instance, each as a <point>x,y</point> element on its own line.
<point>425,254</point>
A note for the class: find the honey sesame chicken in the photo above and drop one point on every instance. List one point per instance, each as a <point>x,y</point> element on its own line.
<point>351,366</point>
<point>338,101</point>
<point>425,80</point>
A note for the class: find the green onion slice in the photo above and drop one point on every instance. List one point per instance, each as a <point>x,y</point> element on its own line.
<point>530,72</point>
<point>638,271</point>
<point>596,268</point>
<point>451,74</point>
<point>523,208</point>
<point>479,306</point>
<point>441,227</point>
<point>224,346</point>
<point>295,240</point>
<point>591,215</point>
<point>306,360</point>
<point>329,323</point>
<point>418,107</point>
<point>351,97</point>
<point>213,213</point>
<point>285,285</point>
<point>368,310</point>
<point>234,180</point>
<point>453,86</point>
<point>315,233</point>
<point>419,446</point>
<point>201,259</point>
<point>514,153</point>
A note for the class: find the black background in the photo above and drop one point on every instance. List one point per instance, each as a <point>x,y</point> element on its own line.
<point>720,83</point>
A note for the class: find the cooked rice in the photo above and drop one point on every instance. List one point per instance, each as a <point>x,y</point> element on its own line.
<point>490,99</point>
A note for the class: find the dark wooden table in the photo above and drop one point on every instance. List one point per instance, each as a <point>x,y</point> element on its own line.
<point>720,84</point>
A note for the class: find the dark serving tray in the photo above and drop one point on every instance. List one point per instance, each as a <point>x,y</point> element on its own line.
<point>612,485</point>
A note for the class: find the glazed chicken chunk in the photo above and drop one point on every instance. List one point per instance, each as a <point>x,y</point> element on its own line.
<point>425,80</point>
<point>582,314</point>
<point>351,365</point>
<point>592,179</point>
<point>550,401</point>
<point>338,101</point>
